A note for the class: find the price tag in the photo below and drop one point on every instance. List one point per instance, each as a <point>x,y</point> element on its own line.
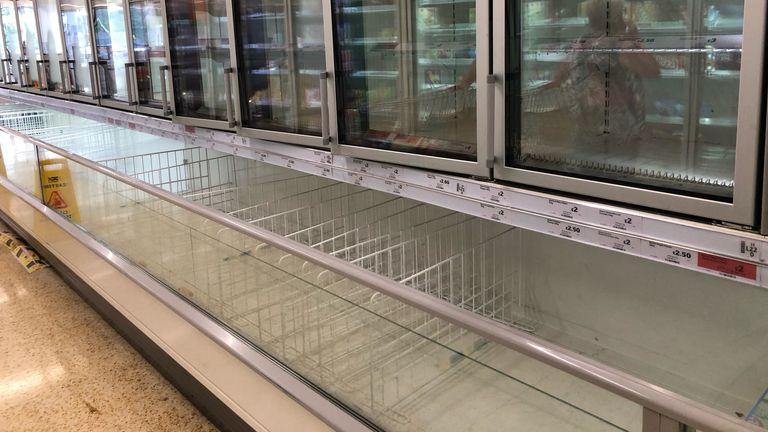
<point>288,162</point>
<point>492,194</point>
<point>395,187</point>
<point>727,266</point>
<point>564,229</point>
<point>620,221</point>
<point>492,212</point>
<point>263,157</point>
<point>356,178</point>
<point>564,209</point>
<point>324,171</point>
<point>617,241</point>
<point>670,254</point>
<point>361,165</point>
<point>441,183</point>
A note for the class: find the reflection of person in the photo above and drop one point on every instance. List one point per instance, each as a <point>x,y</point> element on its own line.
<point>603,79</point>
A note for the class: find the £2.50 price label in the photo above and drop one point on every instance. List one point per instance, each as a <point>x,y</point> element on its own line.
<point>674,255</point>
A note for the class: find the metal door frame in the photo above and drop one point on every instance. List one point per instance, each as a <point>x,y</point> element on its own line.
<point>18,85</point>
<point>748,139</point>
<point>93,98</point>
<point>43,89</point>
<point>146,109</point>
<point>272,135</point>
<point>234,100</point>
<point>482,166</point>
<point>53,56</point>
<point>127,105</point>
<point>65,84</point>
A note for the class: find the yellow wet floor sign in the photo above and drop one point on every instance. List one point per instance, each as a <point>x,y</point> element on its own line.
<point>59,192</point>
<point>23,254</point>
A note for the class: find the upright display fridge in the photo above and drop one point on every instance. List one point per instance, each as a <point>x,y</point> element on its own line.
<point>31,61</point>
<point>282,66</point>
<point>80,64</point>
<point>149,56</point>
<point>114,71</point>
<point>406,82</point>
<point>51,47</point>
<point>655,103</point>
<point>12,54</point>
<point>204,88</point>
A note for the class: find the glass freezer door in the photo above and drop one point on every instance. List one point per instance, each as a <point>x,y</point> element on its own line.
<point>112,53</point>
<point>651,95</point>
<point>281,57</point>
<point>79,53</point>
<point>12,49</point>
<point>201,67</point>
<point>30,44</point>
<point>51,46</point>
<point>148,44</point>
<point>406,81</point>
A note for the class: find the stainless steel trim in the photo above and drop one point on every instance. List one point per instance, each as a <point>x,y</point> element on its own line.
<point>228,94</point>
<point>294,385</point>
<point>164,88</point>
<point>632,388</point>
<point>41,75</point>
<point>416,160</point>
<point>330,68</point>
<point>283,137</point>
<point>324,114</point>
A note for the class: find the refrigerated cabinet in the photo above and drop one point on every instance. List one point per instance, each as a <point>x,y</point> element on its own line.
<point>149,56</point>
<point>12,45</point>
<point>32,60</point>
<point>80,62</point>
<point>51,47</point>
<point>114,66</point>
<point>405,82</point>
<point>281,64</point>
<point>653,103</point>
<point>199,35</point>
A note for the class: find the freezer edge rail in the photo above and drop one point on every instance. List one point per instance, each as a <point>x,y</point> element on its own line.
<point>655,400</point>
<point>714,250</point>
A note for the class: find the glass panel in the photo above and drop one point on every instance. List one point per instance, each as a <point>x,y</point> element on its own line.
<point>282,56</point>
<point>77,35</point>
<point>408,87</point>
<point>199,54</point>
<point>12,52</point>
<point>111,48</point>
<point>363,349</point>
<point>50,34</point>
<point>147,28</point>
<point>30,44</point>
<point>632,92</point>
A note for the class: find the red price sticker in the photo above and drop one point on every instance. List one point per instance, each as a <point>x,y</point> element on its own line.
<point>728,266</point>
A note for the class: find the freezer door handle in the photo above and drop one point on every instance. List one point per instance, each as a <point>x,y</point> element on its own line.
<point>325,123</point>
<point>129,84</point>
<point>94,79</point>
<point>164,89</point>
<point>41,75</point>
<point>22,72</point>
<point>489,118</point>
<point>228,93</point>
<point>65,83</point>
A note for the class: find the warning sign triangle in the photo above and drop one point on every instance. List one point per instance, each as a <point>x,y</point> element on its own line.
<point>56,201</point>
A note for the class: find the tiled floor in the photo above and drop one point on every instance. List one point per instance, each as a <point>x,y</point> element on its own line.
<point>62,368</point>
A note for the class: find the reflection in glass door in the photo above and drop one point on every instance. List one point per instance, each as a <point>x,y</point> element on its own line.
<point>148,50</point>
<point>406,76</point>
<point>200,58</point>
<point>30,44</point>
<point>111,49</point>
<point>77,37</point>
<point>633,92</point>
<point>50,36</point>
<point>282,54</point>
<point>12,47</point>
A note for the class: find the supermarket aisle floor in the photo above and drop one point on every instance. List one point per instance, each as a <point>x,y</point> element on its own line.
<point>63,368</point>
